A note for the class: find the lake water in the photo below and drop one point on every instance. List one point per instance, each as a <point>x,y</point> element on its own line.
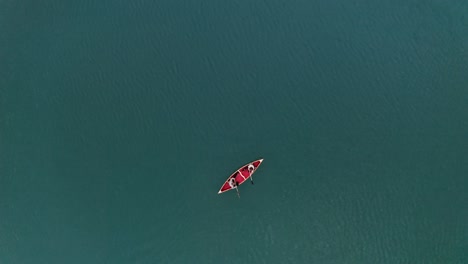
<point>120,120</point>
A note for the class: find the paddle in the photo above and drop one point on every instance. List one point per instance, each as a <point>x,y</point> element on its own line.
<point>238,195</point>
<point>251,179</point>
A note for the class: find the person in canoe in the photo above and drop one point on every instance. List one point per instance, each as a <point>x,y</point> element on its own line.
<point>233,183</point>
<point>250,168</point>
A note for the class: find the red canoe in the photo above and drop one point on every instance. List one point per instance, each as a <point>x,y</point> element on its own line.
<point>240,175</point>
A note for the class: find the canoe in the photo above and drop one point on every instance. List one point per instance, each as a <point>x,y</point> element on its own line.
<point>241,175</point>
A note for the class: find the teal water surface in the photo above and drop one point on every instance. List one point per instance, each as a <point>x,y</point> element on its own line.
<point>120,120</point>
